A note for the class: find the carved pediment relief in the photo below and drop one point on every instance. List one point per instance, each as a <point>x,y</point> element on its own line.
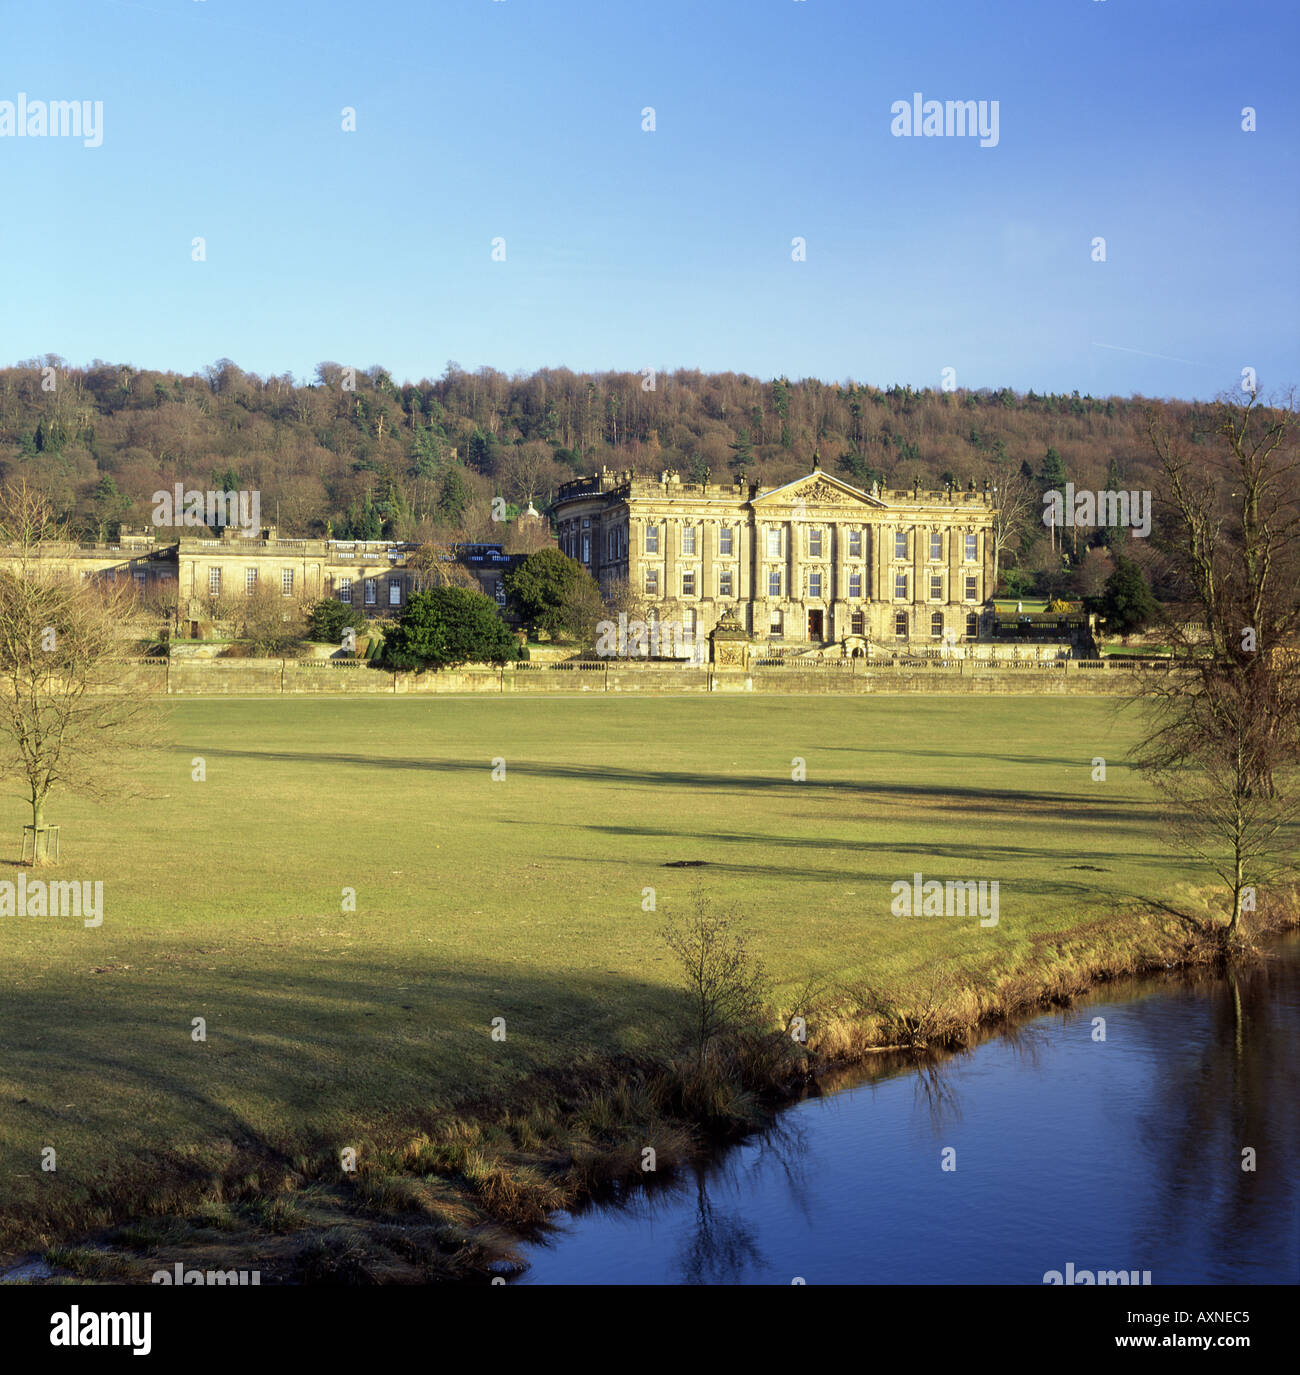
<point>817,490</point>
<point>820,492</point>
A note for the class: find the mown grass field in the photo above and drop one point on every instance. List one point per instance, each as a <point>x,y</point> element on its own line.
<point>521,899</point>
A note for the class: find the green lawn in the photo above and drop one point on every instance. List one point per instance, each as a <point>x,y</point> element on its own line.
<point>519,899</point>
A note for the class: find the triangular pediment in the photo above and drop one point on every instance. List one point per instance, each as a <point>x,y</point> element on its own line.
<point>818,488</point>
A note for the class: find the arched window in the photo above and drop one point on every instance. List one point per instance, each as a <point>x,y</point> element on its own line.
<point>936,625</point>
<point>900,624</point>
<point>857,623</point>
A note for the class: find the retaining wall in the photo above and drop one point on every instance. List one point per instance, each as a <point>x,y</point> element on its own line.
<point>262,677</point>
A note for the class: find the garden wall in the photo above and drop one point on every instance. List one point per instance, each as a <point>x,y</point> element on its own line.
<point>260,677</point>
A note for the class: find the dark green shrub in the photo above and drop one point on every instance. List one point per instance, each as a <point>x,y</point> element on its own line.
<point>327,620</point>
<point>448,626</point>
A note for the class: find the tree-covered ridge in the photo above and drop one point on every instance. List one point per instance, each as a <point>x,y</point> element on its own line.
<point>365,456</point>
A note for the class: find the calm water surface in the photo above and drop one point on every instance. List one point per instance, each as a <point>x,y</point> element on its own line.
<point>1123,1154</point>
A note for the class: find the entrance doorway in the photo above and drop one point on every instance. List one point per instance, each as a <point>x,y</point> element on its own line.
<point>815,625</point>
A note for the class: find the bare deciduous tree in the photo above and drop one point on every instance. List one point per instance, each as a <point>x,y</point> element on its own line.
<point>1219,812</point>
<point>271,622</point>
<point>435,566</point>
<point>726,982</point>
<point>1222,738</point>
<point>68,718</point>
<point>527,471</point>
<point>1013,510</point>
<point>622,596</point>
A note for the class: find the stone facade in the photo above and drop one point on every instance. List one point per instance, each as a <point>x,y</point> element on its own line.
<point>376,577</point>
<point>373,576</point>
<point>135,555</point>
<point>815,562</point>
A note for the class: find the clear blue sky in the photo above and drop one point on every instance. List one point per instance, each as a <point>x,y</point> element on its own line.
<point>626,249</point>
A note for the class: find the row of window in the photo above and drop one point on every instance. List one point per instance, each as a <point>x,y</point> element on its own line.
<point>936,625</point>
<point>687,618</point>
<point>858,624</point>
<point>776,543</point>
<point>970,546</point>
<point>726,540</point>
<point>370,591</point>
<point>936,587</point>
<point>112,574</point>
<point>616,543</point>
<point>726,584</point>
<point>250,581</point>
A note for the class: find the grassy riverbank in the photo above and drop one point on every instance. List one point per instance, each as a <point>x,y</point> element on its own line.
<point>520,897</point>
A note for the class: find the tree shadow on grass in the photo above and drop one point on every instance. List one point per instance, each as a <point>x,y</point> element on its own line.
<point>104,1068</point>
<point>961,757</point>
<point>873,882</point>
<point>942,848</point>
<point>1041,807</point>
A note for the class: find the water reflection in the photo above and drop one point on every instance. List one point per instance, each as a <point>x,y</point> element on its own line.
<point>936,1091</point>
<point>1119,1153</point>
<point>1233,1091</point>
<point>720,1246</point>
<point>783,1153</point>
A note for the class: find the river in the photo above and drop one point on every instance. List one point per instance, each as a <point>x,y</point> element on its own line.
<point>1063,1149</point>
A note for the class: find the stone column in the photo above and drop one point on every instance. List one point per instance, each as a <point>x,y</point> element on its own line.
<point>635,549</point>
<point>708,534</point>
<point>837,592</point>
<point>761,609</point>
<point>920,550</point>
<point>989,581</point>
<point>954,566</point>
<point>794,533</point>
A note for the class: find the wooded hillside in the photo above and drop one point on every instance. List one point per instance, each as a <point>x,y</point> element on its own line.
<point>364,456</point>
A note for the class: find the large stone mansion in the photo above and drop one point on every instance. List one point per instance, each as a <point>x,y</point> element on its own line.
<point>814,561</point>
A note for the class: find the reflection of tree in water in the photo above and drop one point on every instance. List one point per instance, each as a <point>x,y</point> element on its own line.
<point>937,1073</point>
<point>1238,1090</point>
<point>721,1246</point>
<point>783,1150</point>
<point>936,1089</point>
<point>1027,1040</point>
